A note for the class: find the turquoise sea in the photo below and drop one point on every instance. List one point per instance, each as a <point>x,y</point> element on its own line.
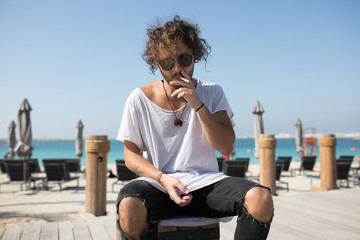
<point>243,148</point>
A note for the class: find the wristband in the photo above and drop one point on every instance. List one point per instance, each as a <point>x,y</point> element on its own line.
<point>199,107</point>
<point>159,176</point>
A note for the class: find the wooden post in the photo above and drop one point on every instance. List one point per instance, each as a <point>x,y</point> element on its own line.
<point>96,148</point>
<point>327,150</point>
<point>267,145</point>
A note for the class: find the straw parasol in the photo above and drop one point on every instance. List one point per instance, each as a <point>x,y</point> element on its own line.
<point>258,125</point>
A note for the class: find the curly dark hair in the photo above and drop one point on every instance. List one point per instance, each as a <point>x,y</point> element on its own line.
<point>169,35</point>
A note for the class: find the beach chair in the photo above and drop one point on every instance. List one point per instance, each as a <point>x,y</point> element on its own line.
<point>346,158</point>
<point>15,171</point>
<point>354,170</point>
<point>286,160</point>
<point>74,166</point>
<point>2,166</point>
<point>279,168</point>
<point>307,164</point>
<point>56,171</point>
<point>235,168</point>
<point>220,161</point>
<point>33,165</point>
<point>342,171</point>
<point>123,173</point>
<point>246,161</point>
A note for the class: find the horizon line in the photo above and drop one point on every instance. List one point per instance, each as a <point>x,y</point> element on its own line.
<point>355,135</point>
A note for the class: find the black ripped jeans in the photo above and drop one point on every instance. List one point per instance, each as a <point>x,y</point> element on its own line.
<point>221,199</point>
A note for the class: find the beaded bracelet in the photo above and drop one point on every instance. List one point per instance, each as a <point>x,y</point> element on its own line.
<point>199,107</point>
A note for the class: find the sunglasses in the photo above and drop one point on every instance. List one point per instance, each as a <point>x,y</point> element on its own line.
<point>183,60</point>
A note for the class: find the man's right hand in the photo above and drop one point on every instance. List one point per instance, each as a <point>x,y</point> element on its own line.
<point>173,186</point>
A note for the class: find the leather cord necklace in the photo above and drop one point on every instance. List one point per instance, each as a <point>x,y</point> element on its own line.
<point>177,121</point>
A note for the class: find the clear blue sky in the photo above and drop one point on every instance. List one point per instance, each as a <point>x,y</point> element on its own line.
<point>80,60</point>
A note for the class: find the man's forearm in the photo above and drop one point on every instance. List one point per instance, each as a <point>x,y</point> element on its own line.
<point>218,130</point>
<point>137,163</point>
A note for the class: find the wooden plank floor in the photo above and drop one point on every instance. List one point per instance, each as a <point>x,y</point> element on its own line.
<point>96,228</point>
<point>323,215</point>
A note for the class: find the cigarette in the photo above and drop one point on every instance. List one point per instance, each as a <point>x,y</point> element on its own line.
<point>184,79</point>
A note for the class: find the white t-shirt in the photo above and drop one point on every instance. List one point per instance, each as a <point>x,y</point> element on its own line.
<point>182,152</point>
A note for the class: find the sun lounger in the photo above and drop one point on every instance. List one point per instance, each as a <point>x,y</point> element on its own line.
<point>2,166</point>
<point>33,165</point>
<point>342,170</point>
<point>286,160</point>
<point>74,166</point>
<point>220,161</point>
<point>15,171</point>
<point>346,158</point>
<point>57,171</point>
<point>279,169</point>
<point>246,161</point>
<point>307,164</point>
<point>235,168</point>
<point>123,173</point>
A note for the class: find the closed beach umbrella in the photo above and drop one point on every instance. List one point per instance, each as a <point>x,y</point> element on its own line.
<point>24,135</point>
<point>24,148</point>
<point>79,139</point>
<point>299,137</point>
<point>11,140</point>
<point>258,125</point>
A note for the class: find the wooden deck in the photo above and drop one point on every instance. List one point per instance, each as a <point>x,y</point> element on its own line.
<point>323,215</point>
<point>102,228</point>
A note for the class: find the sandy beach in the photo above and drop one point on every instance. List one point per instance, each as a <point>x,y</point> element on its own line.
<point>69,204</point>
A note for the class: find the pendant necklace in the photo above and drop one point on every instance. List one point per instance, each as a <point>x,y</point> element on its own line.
<point>177,121</point>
